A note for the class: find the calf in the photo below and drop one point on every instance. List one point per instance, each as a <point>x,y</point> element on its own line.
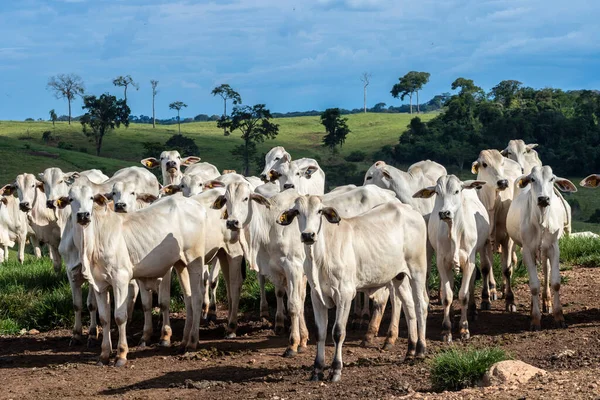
<point>170,165</point>
<point>14,229</point>
<point>535,222</point>
<point>366,252</point>
<point>458,228</point>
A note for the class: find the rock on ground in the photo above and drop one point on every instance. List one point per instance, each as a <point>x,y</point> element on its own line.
<point>510,372</point>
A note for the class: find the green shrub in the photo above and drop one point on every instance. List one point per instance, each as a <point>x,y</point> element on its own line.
<point>356,156</point>
<point>185,145</point>
<point>456,369</point>
<point>580,251</point>
<point>65,145</point>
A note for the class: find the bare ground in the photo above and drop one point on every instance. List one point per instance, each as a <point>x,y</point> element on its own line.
<point>251,366</point>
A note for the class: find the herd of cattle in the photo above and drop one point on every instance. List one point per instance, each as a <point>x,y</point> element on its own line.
<point>370,242</point>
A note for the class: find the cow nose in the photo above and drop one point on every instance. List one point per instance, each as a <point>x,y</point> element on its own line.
<point>445,214</point>
<point>24,206</point>
<point>233,224</point>
<point>120,206</point>
<point>502,184</point>
<point>543,201</point>
<point>171,164</point>
<point>50,204</point>
<point>288,186</point>
<point>307,237</point>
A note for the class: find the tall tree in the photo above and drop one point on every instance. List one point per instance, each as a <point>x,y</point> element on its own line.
<point>125,82</point>
<point>335,128</point>
<point>255,125</point>
<point>178,105</point>
<point>505,92</point>
<point>226,93</point>
<point>410,84</point>
<point>66,86</point>
<point>154,84</point>
<point>104,114</point>
<point>365,78</point>
<point>53,116</point>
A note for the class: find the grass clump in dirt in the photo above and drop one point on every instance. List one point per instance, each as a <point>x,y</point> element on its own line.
<point>580,251</point>
<point>456,368</point>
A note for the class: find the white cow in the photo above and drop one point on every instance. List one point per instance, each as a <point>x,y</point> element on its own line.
<point>305,175</point>
<point>527,157</point>
<point>366,252</point>
<point>116,248</point>
<point>500,175</point>
<point>458,228</point>
<point>14,228</point>
<point>170,164</point>
<point>536,222</point>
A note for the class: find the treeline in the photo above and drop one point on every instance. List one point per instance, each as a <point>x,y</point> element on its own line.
<point>563,123</point>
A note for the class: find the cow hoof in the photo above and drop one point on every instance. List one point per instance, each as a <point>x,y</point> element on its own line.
<point>465,335</point>
<point>75,341</point>
<point>230,335</point>
<point>447,338</point>
<point>486,306</point>
<point>280,330</point>
<point>387,346</point>
<point>560,324</point>
<point>536,327</point>
<point>142,344</point>
<point>289,353</point>
<point>335,376</point>
<point>102,362</point>
<point>493,296</point>
<point>546,309</point>
<point>316,376</point>
<point>121,362</point>
<point>302,349</point>
<point>511,308</point>
<point>164,343</point>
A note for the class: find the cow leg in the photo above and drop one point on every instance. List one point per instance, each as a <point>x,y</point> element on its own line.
<point>215,268</point>
<point>121,293</point>
<point>56,259</point>
<point>21,255</point>
<point>418,285</point>
<point>447,282</point>
<point>534,286</point>
<point>507,271</point>
<point>393,329</point>
<point>357,310</point>
<point>234,280</point>
<point>36,246</point>
<point>146,297</point>
<point>366,311</point>
<point>77,296</point>
<point>405,293</point>
<point>132,294</point>
<point>546,298</point>
<point>339,333</point>
<point>302,319</point>
<point>294,279</point>
<point>464,297</point>
<point>103,300</point>
<point>92,305</point>
<point>486,260</point>
<point>164,302</point>
<point>196,269</point>
<point>3,251</point>
<point>320,311</point>
<point>554,256</point>
<point>280,314</point>
<point>184,280</point>
<point>380,299</point>
<point>264,306</point>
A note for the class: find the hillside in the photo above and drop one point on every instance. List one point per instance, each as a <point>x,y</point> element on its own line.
<point>22,148</point>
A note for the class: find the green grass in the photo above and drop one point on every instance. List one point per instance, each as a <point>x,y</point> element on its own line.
<point>456,369</point>
<point>580,251</point>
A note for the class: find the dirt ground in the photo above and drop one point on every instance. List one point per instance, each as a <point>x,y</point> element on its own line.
<point>251,366</point>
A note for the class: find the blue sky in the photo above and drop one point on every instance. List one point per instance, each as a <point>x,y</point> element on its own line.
<point>291,55</point>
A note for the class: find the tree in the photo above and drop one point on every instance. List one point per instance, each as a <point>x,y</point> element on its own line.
<point>335,127</point>
<point>226,93</point>
<point>379,107</point>
<point>53,116</point>
<point>505,92</point>
<point>125,81</point>
<point>409,84</point>
<point>255,125</point>
<point>154,84</point>
<point>104,114</point>
<point>178,105</point>
<point>66,86</point>
<point>365,79</point>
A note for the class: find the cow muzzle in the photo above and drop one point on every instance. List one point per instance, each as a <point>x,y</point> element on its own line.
<point>171,167</point>
<point>502,184</point>
<point>50,204</point>
<point>83,218</point>
<point>288,186</point>
<point>25,206</point>
<point>120,207</point>
<point>233,224</point>
<point>445,215</point>
<point>543,201</point>
<point>307,237</point>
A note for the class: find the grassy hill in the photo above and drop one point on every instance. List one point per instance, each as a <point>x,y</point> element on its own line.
<point>23,150</point>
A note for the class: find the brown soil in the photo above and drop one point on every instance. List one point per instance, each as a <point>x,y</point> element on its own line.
<point>251,366</point>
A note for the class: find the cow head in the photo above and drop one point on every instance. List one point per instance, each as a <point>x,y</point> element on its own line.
<point>449,197</point>
<point>541,181</point>
<point>125,197</point>
<point>191,185</point>
<point>82,200</point>
<point>379,174</point>
<point>56,184</point>
<point>170,164</point>
<point>310,212</point>
<point>591,181</point>
<point>273,156</point>
<point>490,167</point>
<point>289,174</point>
<point>517,150</point>
<point>237,200</point>
<point>27,189</point>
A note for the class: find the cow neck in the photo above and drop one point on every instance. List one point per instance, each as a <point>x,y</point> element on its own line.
<point>537,216</point>
<point>256,230</point>
<point>40,214</point>
<point>313,272</point>
<point>403,185</point>
<point>455,233</point>
<point>172,179</point>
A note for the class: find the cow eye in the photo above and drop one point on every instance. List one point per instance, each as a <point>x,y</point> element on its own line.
<point>162,158</point>
<point>456,192</point>
<point>277,158</point>
<point>532,179</point>
<point>60,181</point>
<point>200,184</point>
<point>182,186</point>
<point>298,173</point>
<point>552,179</point>
<point>32,185</point>
<point>246,199</point>
<point>133,193</point>
<point>369,178</point>
<point>91,198</point>
<point>508,153</point>
<point>484,165</point>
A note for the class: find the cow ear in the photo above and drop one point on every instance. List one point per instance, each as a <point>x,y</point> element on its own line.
<point>273,175</point>
<point>504,152</point>
<point>473,184</point>
<point>311,169</point>
<point>109,195</point>
<point>150,162</point>
<point>146,197</point>
<point>41,176</point>
<point>100,199</point>
<point>565,185</point>
<point>331,215</point>
<point>40,185</point>
<point>219,203</point>
<point>70,177</point>
<point>213,184</point>
<point>386,173</point>
<point>63,202</point>
<point>591,181</point>
<point>523,181</point>
<point>530,147</point>
<point>190,160</point>
<point>4,200</point>
<point>425,193</point>
<point>286,157</point>
<point>475,167</point>
<point>380,164</point>
<point>7,190</point>
<point>170,189</point>
<point>287,217</point>
<point>260,199</point>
